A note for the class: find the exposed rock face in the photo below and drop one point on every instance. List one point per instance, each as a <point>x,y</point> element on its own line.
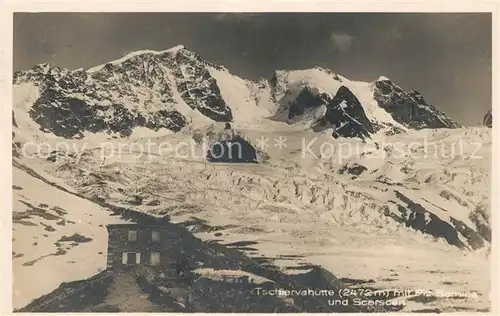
<point>198,88</point>
<point>235,149</point>
<point>14,123</point>
<point>169,89</point>
<point>355,169</point>
<point>308,98</point>
<point>351,105</point>
<point>146,89</point>
<point>415,215</point>
<point>346,113</point>
<point>488,119</point>
<point>409,108</point>
<point>70,117</point>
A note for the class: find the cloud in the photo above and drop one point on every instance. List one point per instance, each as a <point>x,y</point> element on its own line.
<point>342,42</point>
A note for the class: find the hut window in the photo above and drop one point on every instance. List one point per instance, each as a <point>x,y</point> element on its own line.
<point>155,236</point>
<point>132,235</point>
<point>155,258</point>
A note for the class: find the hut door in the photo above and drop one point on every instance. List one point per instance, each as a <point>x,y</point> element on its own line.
<point>131,258</point>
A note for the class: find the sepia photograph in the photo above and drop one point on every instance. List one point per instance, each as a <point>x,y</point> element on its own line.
<point>252,162</point>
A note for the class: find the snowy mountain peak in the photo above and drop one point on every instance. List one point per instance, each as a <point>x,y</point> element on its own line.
<point>141,53</point>
<point>383,78</point>
<point>177,48</point>
<point>381,105</point>
<point>174,88</point>
<point>44,67</point>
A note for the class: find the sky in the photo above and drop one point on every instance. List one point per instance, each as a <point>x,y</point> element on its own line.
<point>445,56</point>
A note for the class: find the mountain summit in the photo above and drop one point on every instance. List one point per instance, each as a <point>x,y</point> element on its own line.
<point>175,88</point>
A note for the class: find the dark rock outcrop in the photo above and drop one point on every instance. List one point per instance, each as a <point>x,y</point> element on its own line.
<point>482,222</point>
<point>347,116</point>
<point>355,169</point>
<point>198,88</point>
<point>235,149</point>
<point>14,123</point>
<point>136,91</point>
<point>410,108</point>
<point>488,119</point>
<point>16,146</point>
<point>415,215</point>
<point>70,117</point>
<point>474,239</point>
<point>308,98</point>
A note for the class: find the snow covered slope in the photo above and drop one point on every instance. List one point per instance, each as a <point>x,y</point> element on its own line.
<point>57,236</point>
<point>401,221</point>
